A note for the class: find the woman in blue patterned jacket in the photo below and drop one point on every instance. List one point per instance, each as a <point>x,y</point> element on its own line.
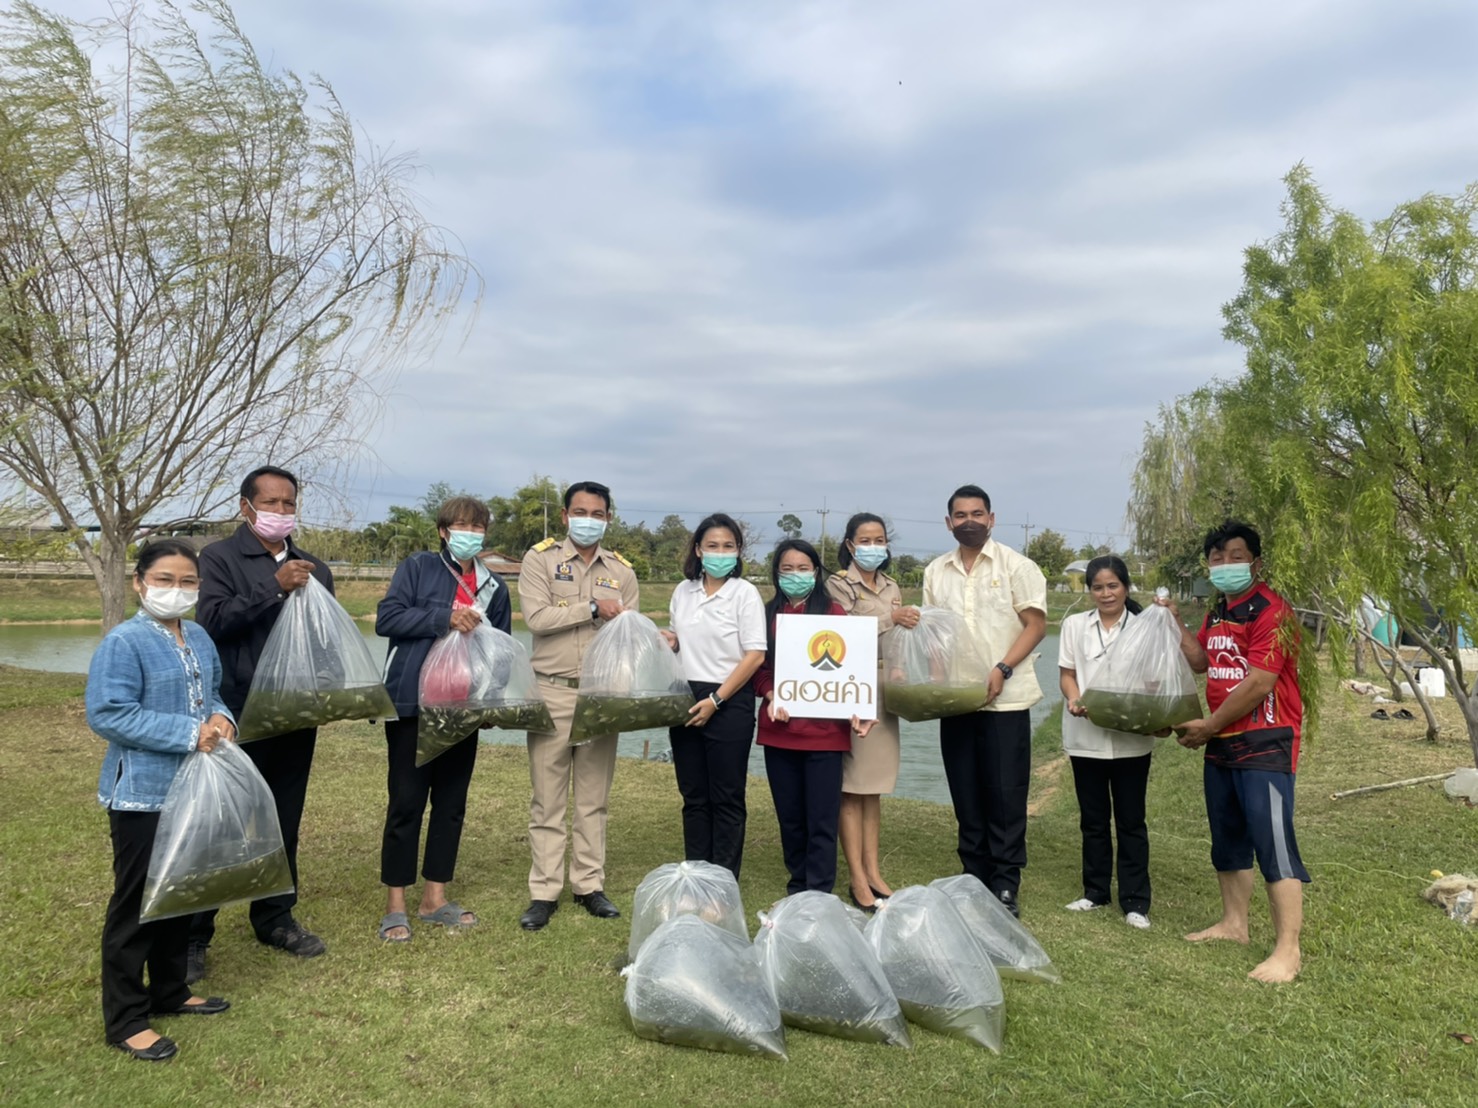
<point>153,692</point>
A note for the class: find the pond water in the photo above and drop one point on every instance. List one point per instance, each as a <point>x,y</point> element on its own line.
<point>67,648</point>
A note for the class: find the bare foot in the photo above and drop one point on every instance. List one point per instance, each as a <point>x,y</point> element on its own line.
<point>1278,968</point>
<point>143,1040</point>
<point>1230,932</point>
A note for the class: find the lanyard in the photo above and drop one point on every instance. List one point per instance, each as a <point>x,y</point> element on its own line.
<point>462,587</point>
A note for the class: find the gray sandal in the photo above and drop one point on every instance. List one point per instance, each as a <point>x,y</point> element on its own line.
<point>450,915</point>
<point>390,922</point>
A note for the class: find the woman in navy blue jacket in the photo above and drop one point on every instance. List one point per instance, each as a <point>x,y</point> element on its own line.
<point>430,595</point>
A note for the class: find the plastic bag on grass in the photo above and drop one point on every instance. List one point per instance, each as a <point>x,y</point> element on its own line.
<point>475,679</point>
<point>1144,683</point>
<point>825,976</point>
<point>698,985</point>
<point>676,889</point>
<point>941,973</point>
<point>218,840</point>
<point>315,668</point>
<point>1014,950</point>
<point>933,669</point>
<point>630,680</point>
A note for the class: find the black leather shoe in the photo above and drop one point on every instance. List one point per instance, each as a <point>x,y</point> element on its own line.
<point>536,918</point>
<point>195,963</point>
<point>212,1005</point>
<point>598,905</point>
<point>1008,898</point>
<point>162,1050</point>
<point>297,940</point>
<point>870,909</point>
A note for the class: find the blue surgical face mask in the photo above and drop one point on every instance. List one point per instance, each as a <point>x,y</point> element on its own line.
<point>719,565</point>
<point>586,531</point>
<point>869,557</point>
<point>1233,579</point>
<point>797,586</point>
<point>463,545</point>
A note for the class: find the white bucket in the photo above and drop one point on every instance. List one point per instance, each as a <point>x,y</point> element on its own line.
<point>1433,682</point>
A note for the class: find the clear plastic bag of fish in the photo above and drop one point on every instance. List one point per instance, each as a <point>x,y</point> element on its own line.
<point>676,889</point>
<point>630,680</point>
<point>698,985</point>
<point>1144,683</point>
<point>941,973</point>
<point>218,841</point>
<point>476,679</point>
<point>1014,950</point>
<point>933,670</point>
<point>315,668</point>
<point>825,975</point>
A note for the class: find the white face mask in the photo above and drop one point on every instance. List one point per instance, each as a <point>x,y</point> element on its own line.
<point>168,603</point>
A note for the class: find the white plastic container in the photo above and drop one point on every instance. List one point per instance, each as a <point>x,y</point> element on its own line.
<point>1433,682</point>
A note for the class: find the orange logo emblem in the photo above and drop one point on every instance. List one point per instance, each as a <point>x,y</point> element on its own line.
<point>826,650</point>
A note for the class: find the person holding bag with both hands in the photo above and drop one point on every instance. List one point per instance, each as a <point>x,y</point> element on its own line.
<point>153,693</point>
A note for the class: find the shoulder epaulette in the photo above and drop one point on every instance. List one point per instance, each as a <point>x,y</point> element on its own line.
<point>545,544</point>
<point>840,575</point>
<point>619,557</point>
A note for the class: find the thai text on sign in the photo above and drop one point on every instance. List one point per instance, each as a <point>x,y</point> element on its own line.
<point>826,667</point>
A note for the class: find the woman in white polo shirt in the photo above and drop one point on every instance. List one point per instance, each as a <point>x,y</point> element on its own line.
<point>1111,769</point>
<point>718,630</point>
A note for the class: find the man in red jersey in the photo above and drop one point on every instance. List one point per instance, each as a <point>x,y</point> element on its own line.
<point>1247,647</point>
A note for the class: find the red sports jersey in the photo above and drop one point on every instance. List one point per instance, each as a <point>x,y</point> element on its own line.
<point>1251,634</point>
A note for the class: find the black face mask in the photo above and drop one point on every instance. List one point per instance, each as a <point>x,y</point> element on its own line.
<point>972,535</point>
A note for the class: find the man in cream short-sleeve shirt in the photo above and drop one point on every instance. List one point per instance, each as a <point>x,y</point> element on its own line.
<point>1002,596</point>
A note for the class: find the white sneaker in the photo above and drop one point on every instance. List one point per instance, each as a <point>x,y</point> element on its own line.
<point>1137,920</point>
<point>1083,904</point>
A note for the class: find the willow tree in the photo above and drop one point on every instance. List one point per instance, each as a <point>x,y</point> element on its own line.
<point>200,270</point>
<point>1357,416</point>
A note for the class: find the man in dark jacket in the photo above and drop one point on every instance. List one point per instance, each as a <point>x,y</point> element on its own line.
<point>244,581</point>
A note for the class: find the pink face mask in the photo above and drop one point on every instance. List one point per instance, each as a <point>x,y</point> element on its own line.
<point>273,527</point>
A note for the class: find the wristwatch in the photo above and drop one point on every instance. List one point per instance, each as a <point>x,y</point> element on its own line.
<point>718,701</point>
<point>594,610</point>
<point>1006,671</point>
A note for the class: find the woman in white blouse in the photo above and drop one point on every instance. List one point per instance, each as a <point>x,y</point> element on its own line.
<point>1111,769</point>
<point>718,630</point>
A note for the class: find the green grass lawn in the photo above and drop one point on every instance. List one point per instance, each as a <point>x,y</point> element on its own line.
<point>498,1016</point>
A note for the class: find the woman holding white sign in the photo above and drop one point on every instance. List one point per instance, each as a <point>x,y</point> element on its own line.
<point>803,757</point>
<point>863,588</point>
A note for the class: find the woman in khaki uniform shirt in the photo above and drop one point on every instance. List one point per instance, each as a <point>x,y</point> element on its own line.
<point>871,769</point>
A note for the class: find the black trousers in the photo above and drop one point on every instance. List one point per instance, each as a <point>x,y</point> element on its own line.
<point>806,786</point>
<point>988,764</point>
<point>284,762</point>
<point>712,764</point>
<point>130,946</point>
<point>443,781</point>
<point>1113,789</point>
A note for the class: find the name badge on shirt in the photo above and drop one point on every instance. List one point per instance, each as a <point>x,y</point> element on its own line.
<point>565,571</point>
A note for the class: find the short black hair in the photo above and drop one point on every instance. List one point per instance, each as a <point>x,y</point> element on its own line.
<point>844,556</point>
<point>966,492</point>
<point>1225,532</point>
<point>693,564</point>
<point>463,509</point>
<point>594,488</point>
<point>818,600</point>
<point>249,483</point>
<point>164,548</point>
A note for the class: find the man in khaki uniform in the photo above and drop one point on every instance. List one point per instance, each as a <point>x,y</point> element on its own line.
<point>567,589</point>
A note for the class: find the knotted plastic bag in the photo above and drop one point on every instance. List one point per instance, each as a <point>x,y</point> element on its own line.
<point>1143,684</point>
<point>698,985</point>
<point>933,669</point>
<point>315,668</point>
<point>825,975</point>
<point>630,680</point>
<point>476,679</point>
<point>1014,950</point>
<point>686,889</point>
<point>218,840</point>
<point>941,973</point>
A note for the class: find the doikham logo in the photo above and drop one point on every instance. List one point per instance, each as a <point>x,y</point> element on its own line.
<point>826,650</point>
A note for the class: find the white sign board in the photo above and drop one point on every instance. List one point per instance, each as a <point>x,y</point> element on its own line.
<point>826,667</point>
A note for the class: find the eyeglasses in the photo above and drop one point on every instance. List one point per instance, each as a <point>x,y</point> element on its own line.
<point>165,581</point>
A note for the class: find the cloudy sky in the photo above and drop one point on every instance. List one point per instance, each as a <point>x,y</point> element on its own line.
<point>762,256</point>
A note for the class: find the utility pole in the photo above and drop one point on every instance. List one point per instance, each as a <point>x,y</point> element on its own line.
<point>1026,534</point>
<point>823,512</point>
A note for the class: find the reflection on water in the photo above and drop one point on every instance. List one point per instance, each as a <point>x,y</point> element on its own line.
<point>67,648</point>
